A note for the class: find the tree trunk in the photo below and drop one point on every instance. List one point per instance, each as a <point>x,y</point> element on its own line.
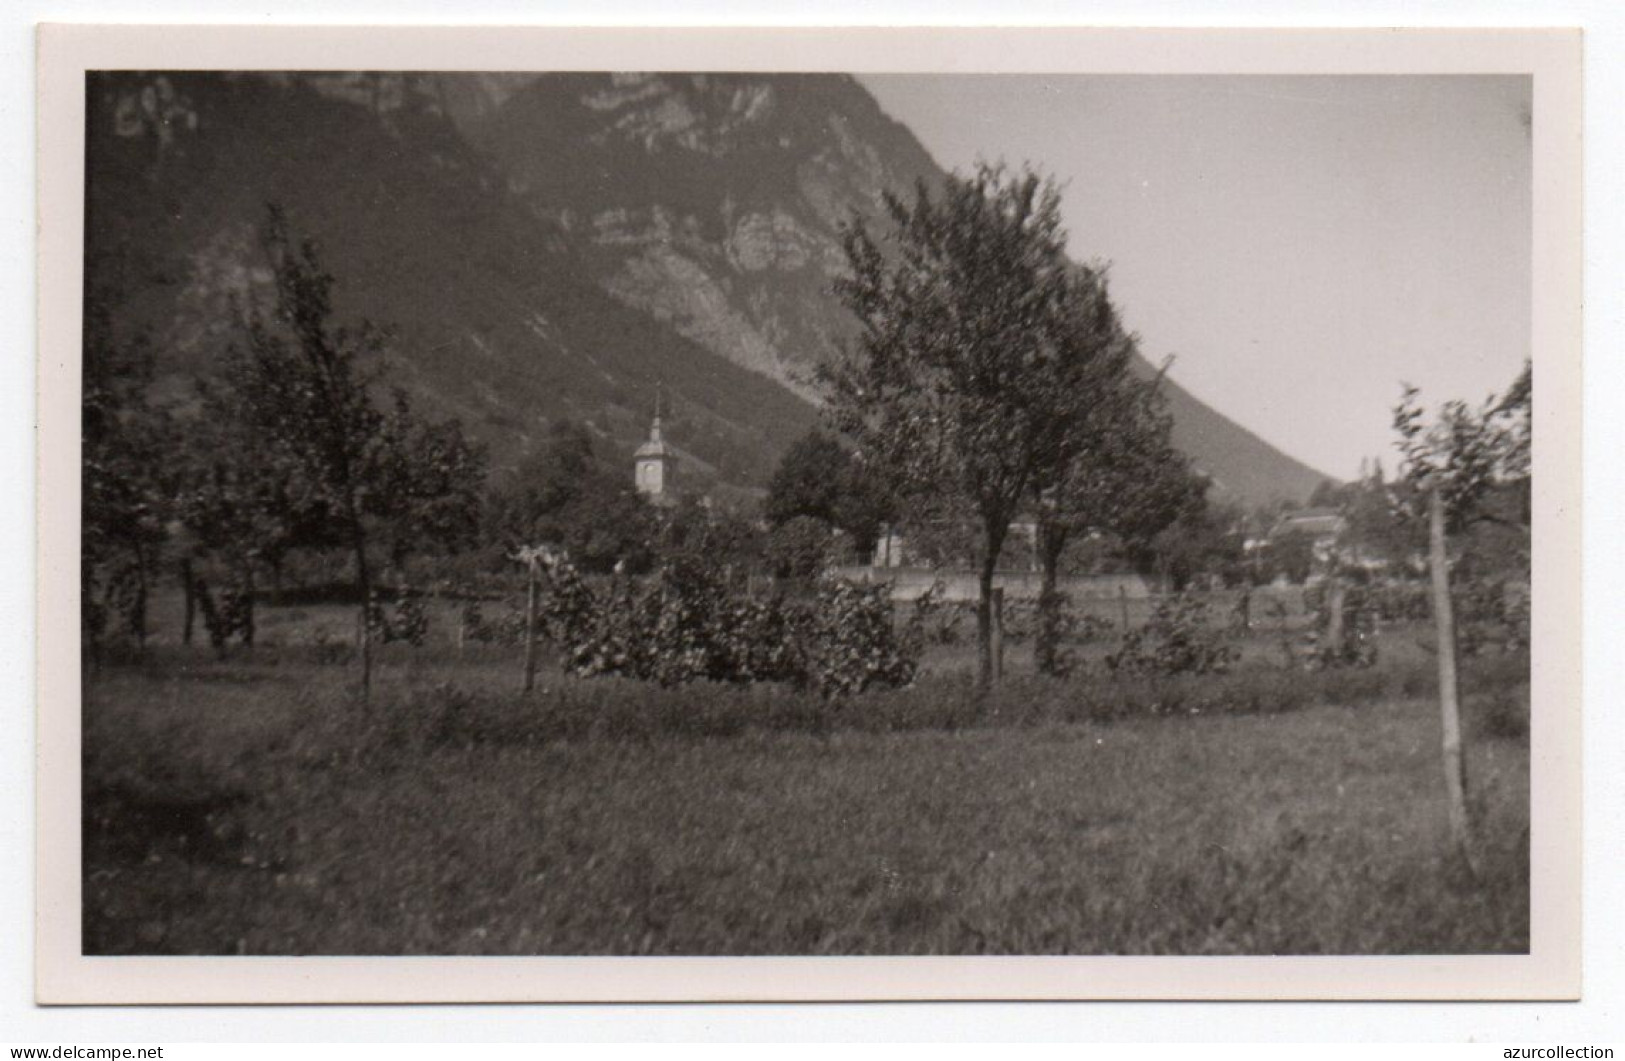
<point>984,623</point>
<point>996,614</point>
<point>530,627</point>
<point>364,634</point>
<point>1046,645</point>
<point>1334,618</point>
<point>1455,771</point>
<point>189,600</point>
<point>248,603</point>
<point>139,616</point>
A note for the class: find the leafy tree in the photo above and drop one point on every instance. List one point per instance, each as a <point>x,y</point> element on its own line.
<point>800,548</point>
<point>1292,555</point>
<point>126,482</point>
<point>822,479</point>
<point>1372,508</point>
<point>1461,464</point>
<point>305,388</point>
<point>235,501</point>
<point>969,337</point>
<point>430,478</point>
<point>1205,538</point>
<point>704,534</point>
<point>1116,473</point>
<point>562,495</point>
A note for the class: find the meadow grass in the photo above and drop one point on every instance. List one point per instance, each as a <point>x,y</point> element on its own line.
<point>254,805</point>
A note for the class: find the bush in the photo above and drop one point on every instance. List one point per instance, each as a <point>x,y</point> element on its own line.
<point>1358,645</point>
<point>1178,639</point>
<point>687,624</point>
<point>850,644</point>
<point>936,621</point>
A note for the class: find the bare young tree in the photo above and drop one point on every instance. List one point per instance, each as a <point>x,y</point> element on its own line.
<point>1459,464</point>
<point>305,386</point>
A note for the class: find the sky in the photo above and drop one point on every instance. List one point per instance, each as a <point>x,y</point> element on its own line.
<point>1301,245</point>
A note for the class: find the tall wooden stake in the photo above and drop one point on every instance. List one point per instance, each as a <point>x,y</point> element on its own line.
<point>1334,615</point>
<point>998,633</point>
<point>189,599</point>
<point>1455,770</point>
<point>530,625</point>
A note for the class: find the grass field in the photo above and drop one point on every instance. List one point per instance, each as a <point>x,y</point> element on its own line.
<point>253,806</point>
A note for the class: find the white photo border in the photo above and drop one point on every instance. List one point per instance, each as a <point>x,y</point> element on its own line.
<point>1551,971</point>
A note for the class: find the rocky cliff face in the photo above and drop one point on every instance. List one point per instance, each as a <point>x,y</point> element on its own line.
<point>545,245</point>
<point>711,202</point>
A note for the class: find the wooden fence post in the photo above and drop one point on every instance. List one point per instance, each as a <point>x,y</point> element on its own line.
<point>1334,615</point>
<point>530,624</point>
<point>190,602</point>
<point>998,633</point>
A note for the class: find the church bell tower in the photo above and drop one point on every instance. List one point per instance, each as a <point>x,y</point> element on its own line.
<point>656,465</point>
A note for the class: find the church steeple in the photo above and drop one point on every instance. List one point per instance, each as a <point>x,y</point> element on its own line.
<point>656,463</point>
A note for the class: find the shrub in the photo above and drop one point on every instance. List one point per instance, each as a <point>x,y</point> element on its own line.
<point>938,622</point>
<point>850,643</point>
<point>1357,647</point>
<point>1178,639</point>
<point>687,624</point>
<point>1492,616</point>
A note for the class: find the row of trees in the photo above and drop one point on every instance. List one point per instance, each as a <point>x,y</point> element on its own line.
<point>288,449</point>
<point>992,378</point>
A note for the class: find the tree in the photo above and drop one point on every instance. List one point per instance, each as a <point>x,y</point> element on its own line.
<point>305,388</point>
<point>234,501</point>
<point>967,342</point>
<point>823,479</point>
<point>126,483</point>
<point>1115,473</point>
<point>1461,464</point>
<point>563,496</point>
<point>800,547</point>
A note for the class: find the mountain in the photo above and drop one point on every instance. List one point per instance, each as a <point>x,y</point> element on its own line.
<point>545,246</point>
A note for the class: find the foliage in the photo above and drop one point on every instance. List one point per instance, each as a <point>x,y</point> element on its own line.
<point>821,479</point>
<point>850,644</point>
<point>686,624</point>
<point>1179,638</point>
<point>563,496</point>
<point>1202,540</point>
<point>1290,555</point>
<point>126,477</point>
<point>304,388</point>
<point>507,630</point>
<point>1115,473</point>
<point>1357,647</point>
<point>1492,615</point>
<point>981,346</point>
<point>1472,456</point>
<point>800,548</point>
<point>405,622</point>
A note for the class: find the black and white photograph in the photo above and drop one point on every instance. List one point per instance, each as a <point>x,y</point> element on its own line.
<point>754,513</point>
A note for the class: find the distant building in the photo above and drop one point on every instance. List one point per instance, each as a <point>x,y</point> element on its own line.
<point>656,466</point>
<point>1322,526</point>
